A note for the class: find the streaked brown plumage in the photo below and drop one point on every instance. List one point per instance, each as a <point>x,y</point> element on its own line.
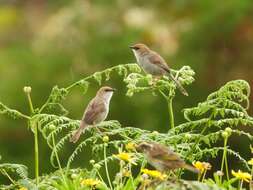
<point>162,158</point>
<point>96,111</point>
<point>152,63</point>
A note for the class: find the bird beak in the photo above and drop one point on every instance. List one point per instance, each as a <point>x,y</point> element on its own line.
<point>113,89</point>
<point>131,47</point>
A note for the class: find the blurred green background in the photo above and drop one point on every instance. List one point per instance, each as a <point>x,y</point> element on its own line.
<point>44,43</point>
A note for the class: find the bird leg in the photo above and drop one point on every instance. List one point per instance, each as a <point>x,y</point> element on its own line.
<point>96,127</point>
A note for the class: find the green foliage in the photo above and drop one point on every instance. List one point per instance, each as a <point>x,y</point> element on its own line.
<point>19,169</point>
<point>227,107</point>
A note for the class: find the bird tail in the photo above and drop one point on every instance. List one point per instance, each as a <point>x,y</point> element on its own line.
<point>191,168</point>
<point>76,135</point>
<point>180,87</point>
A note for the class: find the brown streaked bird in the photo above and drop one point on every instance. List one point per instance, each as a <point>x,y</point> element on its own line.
<point>162,158</point>
<point>152,63</point>
<point>96,111</point>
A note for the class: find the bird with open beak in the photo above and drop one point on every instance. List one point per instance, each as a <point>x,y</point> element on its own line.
<point>152,63</point>
<point>162,158</point>
<point>96,111</point>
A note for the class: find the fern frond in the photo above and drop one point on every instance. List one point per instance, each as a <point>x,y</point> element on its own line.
<point>19,169</point>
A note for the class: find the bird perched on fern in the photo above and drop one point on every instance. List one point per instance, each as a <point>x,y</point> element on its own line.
<point>96,111</point>
<point>162,158</point>
<point>152,63</point>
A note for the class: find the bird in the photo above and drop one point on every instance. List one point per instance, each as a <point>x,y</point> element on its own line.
<point>162,158</point>
<point>95,112</point>
<point>152,63</point>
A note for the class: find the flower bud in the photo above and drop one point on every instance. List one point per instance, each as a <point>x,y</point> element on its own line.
<point>155,133</point>
<point>27,89</point>
<point>105,139</point>
<point>224,134</point>
<point>92,162</point>
<point>219,173</point>
<point>228,130</point>
<point>97,166</point>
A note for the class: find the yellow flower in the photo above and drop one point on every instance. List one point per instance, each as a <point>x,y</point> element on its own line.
<point>130,146</point>
<point>242,175</point>
<point>202,166</point>
<point>250,162</point>
<point>90,182</point>
<point>154,174</point>
<point>23,188</point>
<point>127,157</point>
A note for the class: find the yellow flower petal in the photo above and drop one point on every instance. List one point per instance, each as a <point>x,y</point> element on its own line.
<point>202,166</point>
<point>242,175</point>
<point>127,157</point>
<point>23,188</point>
<point>130,146</point>
<point>154,174</point>
<point>250,162</point>
<point>90,182</point>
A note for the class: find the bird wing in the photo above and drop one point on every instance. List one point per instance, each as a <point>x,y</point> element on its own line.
<point>156,59</point>
<point>164,153</point>
<point>94,108</point>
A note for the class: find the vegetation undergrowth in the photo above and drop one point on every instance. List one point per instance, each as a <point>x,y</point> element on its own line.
<point>212,121</point>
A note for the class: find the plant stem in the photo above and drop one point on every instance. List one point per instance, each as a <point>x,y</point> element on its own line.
<point>226,165</point>
<point>58,161</point>
<point>204,175</point>
<point>170,108</point>
<point>224,158</point>
<point>241,184</point>
<point>36,145</point>
<point>171,114</point>
<point>97,172</point>
<point>3,171</point>
<point>36,153</point>
<point>106,168</point>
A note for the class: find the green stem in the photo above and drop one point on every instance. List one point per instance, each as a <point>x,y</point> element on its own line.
<point>30,103</point>
<point>99,175</point>
<point>36,153</point>
<point>58,161</point>
<point>204,175</point>
<point>171,114</point>
<point>170,108</point>
<point>224,157</point>
<point>3,171</point>
<point>199,176</point>
<point>241,184</point>
<point>226,165</point>
<point>36,145</point>
<point>106,168</point>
